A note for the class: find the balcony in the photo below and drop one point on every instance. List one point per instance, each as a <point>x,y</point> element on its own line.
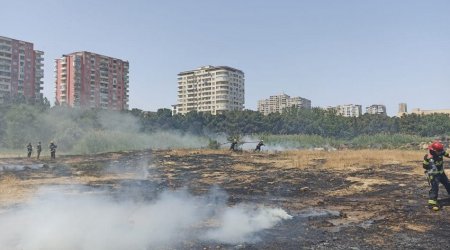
<point>222,78</point>
<point>5,55</point>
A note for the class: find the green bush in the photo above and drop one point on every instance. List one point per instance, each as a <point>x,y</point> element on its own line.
<point>380,141</point>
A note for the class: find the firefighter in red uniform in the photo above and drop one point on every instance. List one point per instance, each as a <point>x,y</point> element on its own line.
<point>433,163</point>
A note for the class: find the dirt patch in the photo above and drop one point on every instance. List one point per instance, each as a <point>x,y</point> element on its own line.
<point>359,185</point>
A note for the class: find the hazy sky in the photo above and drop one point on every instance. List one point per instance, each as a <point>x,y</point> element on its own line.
<point>331,52</point>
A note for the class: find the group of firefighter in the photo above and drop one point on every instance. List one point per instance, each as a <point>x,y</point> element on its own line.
<point>52,146</point>
<point>234,143</point>
<point>433,163</point>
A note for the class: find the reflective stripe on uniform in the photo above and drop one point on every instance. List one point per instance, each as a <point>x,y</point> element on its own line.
<point>432,202</point>
<point>435,172</point>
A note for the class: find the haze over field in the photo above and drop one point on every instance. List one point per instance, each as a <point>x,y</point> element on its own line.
<point>83,131</point>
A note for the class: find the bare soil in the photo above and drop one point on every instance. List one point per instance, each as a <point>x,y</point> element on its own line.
<point>338,200</point>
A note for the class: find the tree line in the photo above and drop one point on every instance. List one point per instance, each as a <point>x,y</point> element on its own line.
<point>22,122</point>
<point>315,121</point>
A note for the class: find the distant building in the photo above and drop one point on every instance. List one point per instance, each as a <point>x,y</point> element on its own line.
<point>349,110</point>
<point>430,111</point>
<point>89,80</point>
<point>21,70</point>
<point>376,109</point>
<point>174,109</point>
<point>402,109</point>
<point>277,103</point>
<point>212,89</point>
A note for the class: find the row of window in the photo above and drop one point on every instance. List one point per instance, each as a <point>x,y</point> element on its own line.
<point>5,54</point>
<point>3,41</point>
<point>5,47</point>
<point>5,67</point>
<point>4,87</point>
<point>5,61</point>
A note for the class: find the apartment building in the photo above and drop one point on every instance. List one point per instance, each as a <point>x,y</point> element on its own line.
<point>212,89</point>
<point>348,110</point>
<point>88,80</point>
<point>376,109</point>
<point>277,103</point>
<point>21,70</point>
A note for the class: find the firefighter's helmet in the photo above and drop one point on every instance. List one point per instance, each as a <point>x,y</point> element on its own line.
<point>436,146</point>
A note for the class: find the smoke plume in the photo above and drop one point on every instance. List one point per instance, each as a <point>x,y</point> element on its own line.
<point>77,131</point>
<point>78,217</point>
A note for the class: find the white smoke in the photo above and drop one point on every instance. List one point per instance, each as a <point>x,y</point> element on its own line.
<point>79,218</point>
<point>115,121</point>
<point>248,143</point>
<point>239,224</point>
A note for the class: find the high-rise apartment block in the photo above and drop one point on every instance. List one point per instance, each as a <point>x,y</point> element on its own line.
<point>89,80</point>
<point>212,89</point>
<point>277,103</point>
<point>21,70</point>
<point>376,109</point>
<point>348,110</point>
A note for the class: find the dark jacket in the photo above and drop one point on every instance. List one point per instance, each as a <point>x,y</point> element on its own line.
<point>437,160</point>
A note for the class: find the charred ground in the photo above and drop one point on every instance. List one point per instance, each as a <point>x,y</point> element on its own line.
<point>364,200</point>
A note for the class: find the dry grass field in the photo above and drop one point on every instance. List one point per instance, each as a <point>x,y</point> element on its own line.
<point>370,199</point>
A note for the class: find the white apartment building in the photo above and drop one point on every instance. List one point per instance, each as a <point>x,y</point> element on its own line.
<point>376,109</point>
<point>277,103</point>
<point>212,89</point>
<point>348,110</point>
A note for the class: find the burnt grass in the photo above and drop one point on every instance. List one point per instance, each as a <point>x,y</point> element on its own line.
<point>389,215</point>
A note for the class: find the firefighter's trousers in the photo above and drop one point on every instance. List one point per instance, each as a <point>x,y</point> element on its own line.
<point>434,182</point>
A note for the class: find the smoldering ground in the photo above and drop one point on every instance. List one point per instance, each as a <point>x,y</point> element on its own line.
<point>80,217</point>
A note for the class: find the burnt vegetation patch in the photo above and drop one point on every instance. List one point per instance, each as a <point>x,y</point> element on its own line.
<point>335,203</point>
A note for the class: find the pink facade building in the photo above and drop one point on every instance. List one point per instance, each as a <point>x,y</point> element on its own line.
<point>88,80</point>
<point>21,70</point>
